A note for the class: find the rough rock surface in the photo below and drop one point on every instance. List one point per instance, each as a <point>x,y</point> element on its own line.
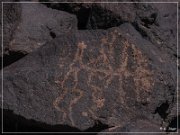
<point>113,76</point>
<point>156,22</point>
<point>11,18</point>
<point>117,73</point>
<point>39,25</point>
<point>28,26</point>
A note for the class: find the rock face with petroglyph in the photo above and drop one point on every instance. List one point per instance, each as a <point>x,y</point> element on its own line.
<point>113,76</point>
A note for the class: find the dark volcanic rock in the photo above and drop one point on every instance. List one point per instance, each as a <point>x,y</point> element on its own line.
<point>112,76</point>
<point>11,18</point>
<point>156,22</point>
<point>28,26</point>
<point>39,25</point>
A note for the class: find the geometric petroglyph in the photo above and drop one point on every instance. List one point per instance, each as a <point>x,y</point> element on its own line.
<point>116,59</point>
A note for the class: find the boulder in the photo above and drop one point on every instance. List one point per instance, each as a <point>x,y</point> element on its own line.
<point>27,26</point>
<point>112,76</point>
<point>39,25</point>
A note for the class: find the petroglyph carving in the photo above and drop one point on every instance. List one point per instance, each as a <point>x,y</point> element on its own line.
<point>142,76</point>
